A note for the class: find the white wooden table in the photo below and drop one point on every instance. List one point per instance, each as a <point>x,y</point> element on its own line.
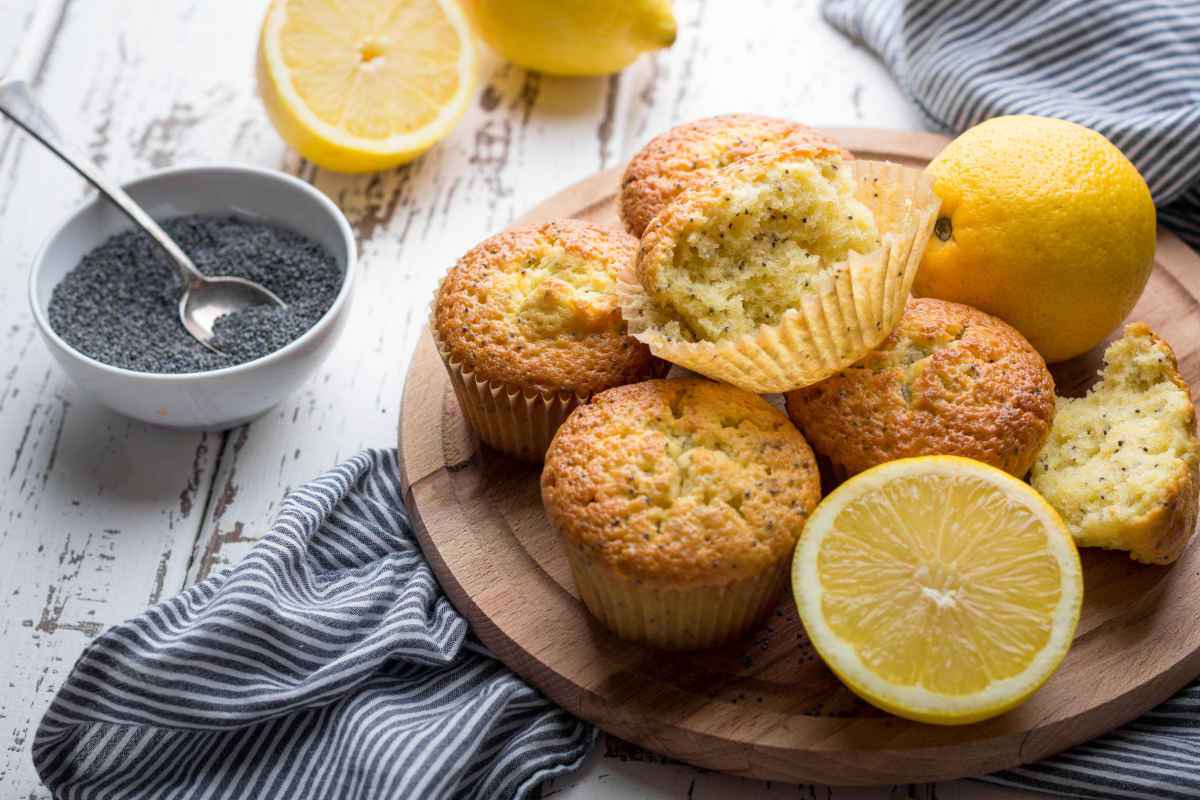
<point>100,516</point>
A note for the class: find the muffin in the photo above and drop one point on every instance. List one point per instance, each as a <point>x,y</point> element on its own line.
<point>781,269</point>
<point>949,380</point>
<point>1121,463</point>
<point>527,325</point>
<point>679,503</point>
<point>689,154</point>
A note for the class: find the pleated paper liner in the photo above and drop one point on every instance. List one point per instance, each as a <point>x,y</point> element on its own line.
<point>850,309</point>
<point>515,421</point>
<point>675,618</point>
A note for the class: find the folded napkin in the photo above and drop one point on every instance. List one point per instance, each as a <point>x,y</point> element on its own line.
<point>1131,70</point>
<point>1127,68</point>
<point>326,664</point>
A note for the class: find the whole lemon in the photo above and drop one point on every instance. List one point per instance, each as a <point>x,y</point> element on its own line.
<point>1045,224</point>
<point>573,37</point>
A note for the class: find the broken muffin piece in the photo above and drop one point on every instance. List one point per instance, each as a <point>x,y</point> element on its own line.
<point>1121,464</point>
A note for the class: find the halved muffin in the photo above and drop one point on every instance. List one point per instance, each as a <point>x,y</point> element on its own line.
<point>527,324</point>
<point>781,269</point>
<point>949,380</point>
<point>1121,465</point>
<point>690,153</point>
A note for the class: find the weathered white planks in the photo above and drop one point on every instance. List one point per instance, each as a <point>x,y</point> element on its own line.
<point>776,57</point>
<point>17,16</point>
<point>100,516</point>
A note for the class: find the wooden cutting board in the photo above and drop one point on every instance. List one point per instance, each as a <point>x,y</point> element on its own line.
<point>767,707</point>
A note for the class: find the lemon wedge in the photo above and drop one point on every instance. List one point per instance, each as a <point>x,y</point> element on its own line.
<point>938,588</point>
<point>363,85</point>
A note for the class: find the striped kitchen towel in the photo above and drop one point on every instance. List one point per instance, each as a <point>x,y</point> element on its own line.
<point>326,664</point>
<point>1130,70</point>
<point>1127,68</point>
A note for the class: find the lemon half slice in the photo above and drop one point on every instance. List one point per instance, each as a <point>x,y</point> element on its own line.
<point>362,85</point>
<point>938,588</point>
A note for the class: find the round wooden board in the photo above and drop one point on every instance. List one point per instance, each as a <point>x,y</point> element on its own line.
<point>766,706</point>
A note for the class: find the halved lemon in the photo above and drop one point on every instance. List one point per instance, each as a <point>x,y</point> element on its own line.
<point>938,588</point>
<point>363,85</point>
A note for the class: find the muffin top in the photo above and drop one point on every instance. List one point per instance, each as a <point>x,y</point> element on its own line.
<point>691,152</point>
<point>534,307</point>
<point>948,380</point>
<point>739,250</point>
<point>680,482</point>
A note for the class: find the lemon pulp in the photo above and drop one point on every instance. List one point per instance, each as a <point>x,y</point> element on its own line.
<point>358,85</point>
<point>938,588</point>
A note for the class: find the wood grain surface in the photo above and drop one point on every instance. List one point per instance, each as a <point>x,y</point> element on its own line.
<point>766,706</point>
<point>100,516</point>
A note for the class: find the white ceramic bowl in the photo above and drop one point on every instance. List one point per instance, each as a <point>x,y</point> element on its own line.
<point>220,398</point>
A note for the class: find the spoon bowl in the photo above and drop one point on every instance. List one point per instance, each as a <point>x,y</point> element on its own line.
<point>204,302</point>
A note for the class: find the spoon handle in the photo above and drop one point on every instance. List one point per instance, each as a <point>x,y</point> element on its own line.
<point>18,104</point>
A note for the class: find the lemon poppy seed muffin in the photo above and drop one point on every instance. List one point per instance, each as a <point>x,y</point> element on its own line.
<point>679,503</point>
<point>690,153</point>
<point>528,324</point>
<point>735,254</point>
<point>1122,463</point>
<point>949,380</point>
<point>781,269</point>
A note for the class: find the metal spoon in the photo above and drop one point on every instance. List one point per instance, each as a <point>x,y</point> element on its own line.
<point>204,298</point>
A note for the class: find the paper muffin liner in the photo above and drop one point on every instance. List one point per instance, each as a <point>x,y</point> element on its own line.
<point>675,618</point>
<point>852,307</point>
<point>514,420</point>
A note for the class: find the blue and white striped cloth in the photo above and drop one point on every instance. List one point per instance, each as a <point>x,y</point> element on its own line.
<point>1127,68</point>
<point>326,664</point>
<point>1130,70</point>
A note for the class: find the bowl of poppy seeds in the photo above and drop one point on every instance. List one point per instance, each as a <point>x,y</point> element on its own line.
<point>106,299</point>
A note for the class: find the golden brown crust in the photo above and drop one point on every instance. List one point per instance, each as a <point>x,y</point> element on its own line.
<point>948,380</point>
<point>534,308</point>
<point>689,153</point>
<point>680,482</point>
<point>1162,534</point>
